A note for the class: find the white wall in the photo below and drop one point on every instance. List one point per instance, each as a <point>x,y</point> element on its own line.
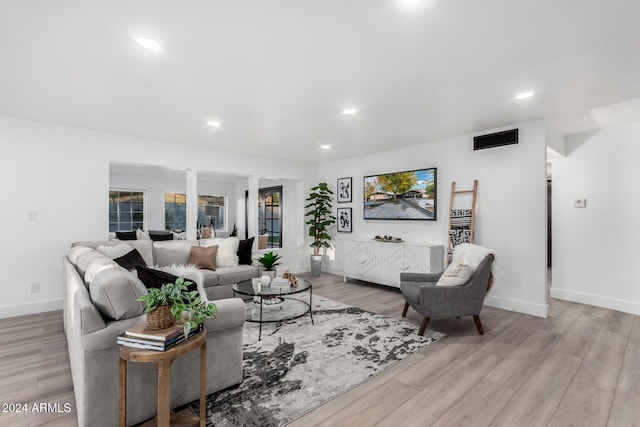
<point>62,173</point>
<point>511,206</point>
<point>594,247</point>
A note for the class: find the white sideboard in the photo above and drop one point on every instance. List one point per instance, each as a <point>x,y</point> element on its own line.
<point>382,262</point>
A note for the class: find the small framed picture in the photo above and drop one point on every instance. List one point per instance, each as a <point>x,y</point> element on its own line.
<point>344,220</point>
<point>344,190</point>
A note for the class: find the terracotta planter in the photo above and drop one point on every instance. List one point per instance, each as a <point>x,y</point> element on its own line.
<point>160,318</point>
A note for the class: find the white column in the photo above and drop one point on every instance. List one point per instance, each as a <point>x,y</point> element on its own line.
<point>252,207</point>
<point>192,203</point>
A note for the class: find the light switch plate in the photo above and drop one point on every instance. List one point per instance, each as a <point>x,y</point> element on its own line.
<point>580,203</point>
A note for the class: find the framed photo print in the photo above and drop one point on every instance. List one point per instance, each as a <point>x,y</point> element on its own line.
<point>344,190</point>
<point>344,220</point>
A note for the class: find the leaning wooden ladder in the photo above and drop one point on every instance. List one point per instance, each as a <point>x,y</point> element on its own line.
<point>461,221</point>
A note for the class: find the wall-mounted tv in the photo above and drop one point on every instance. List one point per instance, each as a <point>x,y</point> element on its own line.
<point>409,195</point>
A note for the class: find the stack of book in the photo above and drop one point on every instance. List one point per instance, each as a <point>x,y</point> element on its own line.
<point>279,282</point>
<point>143,337</point>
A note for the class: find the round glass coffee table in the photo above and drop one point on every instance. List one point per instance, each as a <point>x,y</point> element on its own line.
<point>270,303</point>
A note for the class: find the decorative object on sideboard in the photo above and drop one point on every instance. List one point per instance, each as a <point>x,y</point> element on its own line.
<point>319,222</point>
<point>391,239</point>
<point>344,220</point>
<point>344,187</point>
<point>183,304</point>
<point>408,195</point>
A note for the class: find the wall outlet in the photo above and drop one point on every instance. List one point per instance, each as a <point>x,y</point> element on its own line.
<point>35,287</point>
<point>580,203</point>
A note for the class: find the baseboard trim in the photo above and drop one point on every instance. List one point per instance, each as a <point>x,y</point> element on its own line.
<point>540,310</point>
<point>597,300</point>
<point>30,308</point>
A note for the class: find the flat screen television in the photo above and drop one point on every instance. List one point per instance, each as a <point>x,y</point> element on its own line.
<point>409,195</point>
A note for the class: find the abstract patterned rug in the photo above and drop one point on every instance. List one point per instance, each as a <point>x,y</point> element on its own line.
<point>298,366</point>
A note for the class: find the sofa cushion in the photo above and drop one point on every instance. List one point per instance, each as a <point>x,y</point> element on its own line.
<point>75,253</point>
<point>114,292</point>
<point>229,275</point>
<point>143,246</point>
<point>203,257</point>
<point>245,248</point>
<point>165,253</point>
<point>95,266</point>
<point>85,258</point>
<point>227,251</point>
<point>126,235</point>
<point>114,251</point>
<point>210,278</point>
<point>130,260</point>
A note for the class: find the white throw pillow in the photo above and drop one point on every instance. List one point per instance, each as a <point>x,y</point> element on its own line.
<point>116,251</point>
<point>142,235</point>
<point>227,250</point>
<point>457,273</point>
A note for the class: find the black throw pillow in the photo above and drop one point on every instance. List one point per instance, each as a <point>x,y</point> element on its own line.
<point>158,236</point>
<point>244,251</point>
<point>131,260</point>
<point>126,235</point>
<point>153,278</point>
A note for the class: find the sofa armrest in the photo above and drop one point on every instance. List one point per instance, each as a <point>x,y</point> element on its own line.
<point>420,277</point>
<point>231,313</point>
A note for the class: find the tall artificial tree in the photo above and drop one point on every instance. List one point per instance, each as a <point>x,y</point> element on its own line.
<point>320,216</point>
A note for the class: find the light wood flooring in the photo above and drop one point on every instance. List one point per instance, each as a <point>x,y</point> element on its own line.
<point>579,367</point>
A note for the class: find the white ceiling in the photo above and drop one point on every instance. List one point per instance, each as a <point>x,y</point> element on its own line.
<point>277,73</point>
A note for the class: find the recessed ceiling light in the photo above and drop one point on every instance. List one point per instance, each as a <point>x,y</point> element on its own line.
<point>148,43</point>
<point>524,95</point>
<point>349,111</point>
<point>325,147</point>
<point>214,123</point>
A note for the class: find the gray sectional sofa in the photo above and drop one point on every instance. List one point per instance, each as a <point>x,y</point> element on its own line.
<point>100,303</point>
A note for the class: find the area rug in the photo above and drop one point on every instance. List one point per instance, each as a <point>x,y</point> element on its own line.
<point>297,366</point>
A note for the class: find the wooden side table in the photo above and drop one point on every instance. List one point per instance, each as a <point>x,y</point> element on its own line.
<point>163,361</point>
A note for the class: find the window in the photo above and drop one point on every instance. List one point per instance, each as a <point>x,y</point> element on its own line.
<point>126,210</point>
<point>269,215</point>
<point>204,219</point>
<point>175,211</point>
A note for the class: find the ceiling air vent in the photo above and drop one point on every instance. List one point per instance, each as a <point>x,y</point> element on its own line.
<point>497,139</point>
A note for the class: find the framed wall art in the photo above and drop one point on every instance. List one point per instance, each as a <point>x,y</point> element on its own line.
<point>344,190</point>
<point>344,220</point>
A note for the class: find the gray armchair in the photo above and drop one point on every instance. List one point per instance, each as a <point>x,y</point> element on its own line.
<point>421,293</point>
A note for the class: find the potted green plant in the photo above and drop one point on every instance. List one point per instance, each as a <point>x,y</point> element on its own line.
<point>269,261</point>
<point>319,222</point>
<point>174,301</point>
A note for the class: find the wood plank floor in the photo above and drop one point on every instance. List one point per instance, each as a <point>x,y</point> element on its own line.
<point>579,367</point>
